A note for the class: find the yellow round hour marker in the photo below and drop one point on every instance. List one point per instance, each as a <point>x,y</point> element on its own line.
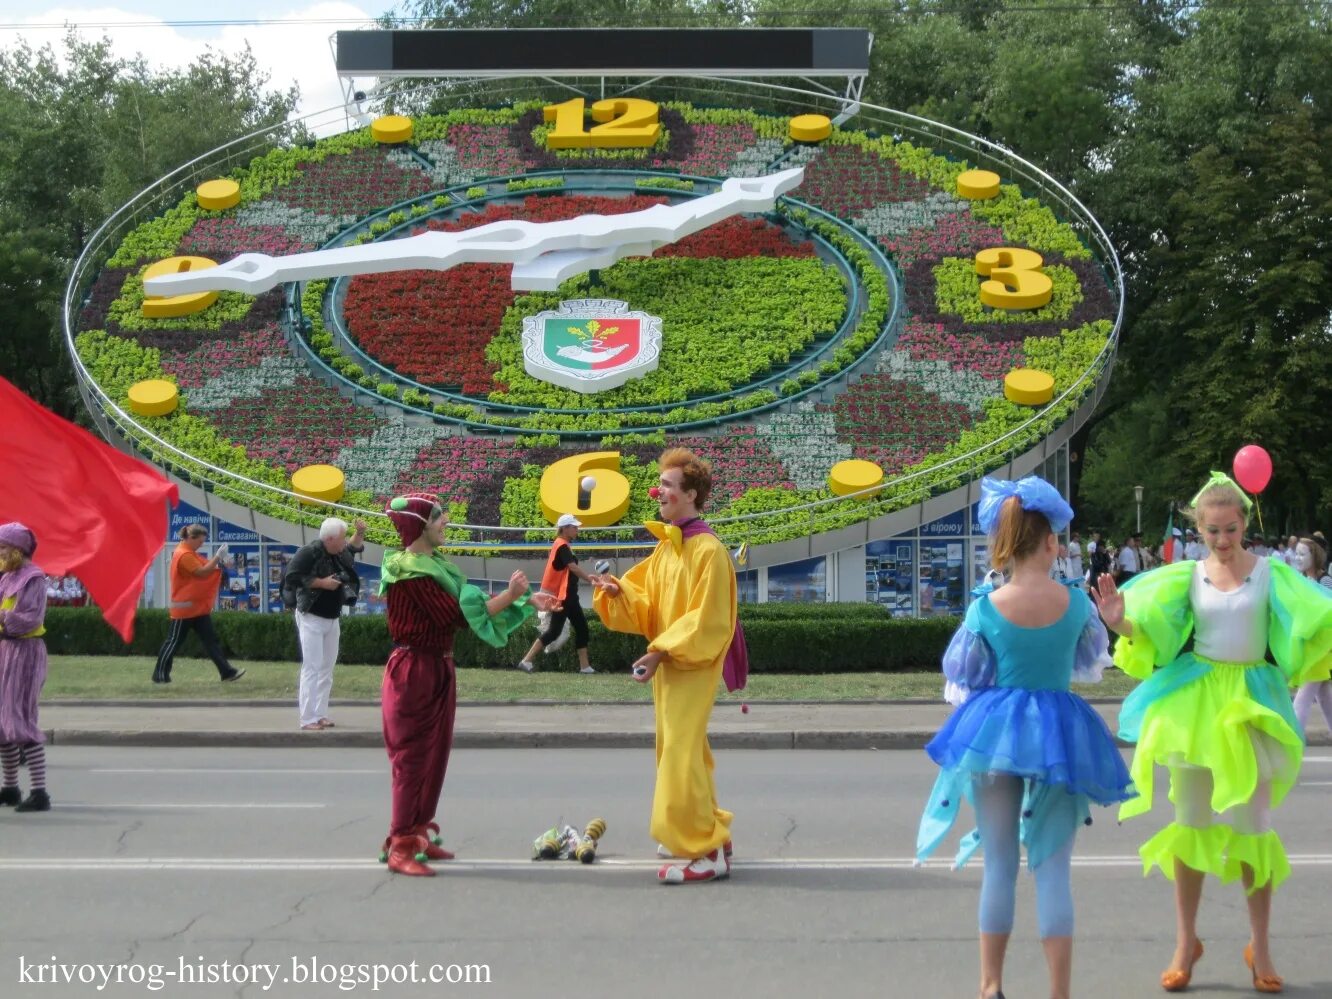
<point>810,127</point>
<point>319,482</point>
<point>154,397</point>
<point>853,475</point>
<point>391,128</point>
<point>156,307</point>
<point>216,195</point>
<point>978,185</point>
<point>1028,387</point>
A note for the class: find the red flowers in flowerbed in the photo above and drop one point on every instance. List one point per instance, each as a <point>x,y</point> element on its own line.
<point>846,181</point>
<point>215,358</point>
<point>355,183</point>
<point>896,423</point>
<point>960,234</point>
<point>302,424</point>
<point>738,237</point>
<point>223,238</point>
<point>433,326</point>
<point>740,462</point>
<point>962,351</point>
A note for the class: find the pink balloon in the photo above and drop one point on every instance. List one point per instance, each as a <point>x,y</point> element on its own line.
<point>1253,468</point>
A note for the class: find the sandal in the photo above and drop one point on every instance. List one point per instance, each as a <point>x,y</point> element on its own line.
<point>325,723</point>
<point>1178,981</point>
<point>312,727</point>
<point>1262,983</point>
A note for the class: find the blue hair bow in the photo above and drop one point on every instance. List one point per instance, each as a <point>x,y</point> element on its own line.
<point>1033,492</point>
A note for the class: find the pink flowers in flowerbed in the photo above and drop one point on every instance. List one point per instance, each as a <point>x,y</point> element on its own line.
<point>960,234</point>
<point>740,461</point>
<point>215,358</point>
<point>962,351</point>
<point>305,423</point>
<point>714,149</point>
<point>846,181</point>
<point>455,465</point>
<point>359,182</point>
<point>896,423</point>
<point>488,150</point>
<point>222,238</point>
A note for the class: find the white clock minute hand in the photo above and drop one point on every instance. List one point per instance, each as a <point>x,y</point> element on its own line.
<point>515,242</point>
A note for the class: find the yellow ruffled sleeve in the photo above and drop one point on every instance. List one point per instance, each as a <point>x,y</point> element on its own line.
<point>698,638</point>
<point>631,610</point>
<point>1156,604</point>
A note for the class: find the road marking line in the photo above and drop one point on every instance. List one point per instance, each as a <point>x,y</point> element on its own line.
<point>212,770</point>
<point>256,864</point>
<point>116,806</point>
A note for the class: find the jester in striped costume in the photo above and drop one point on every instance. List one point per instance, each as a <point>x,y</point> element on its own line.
<point>429,601</point>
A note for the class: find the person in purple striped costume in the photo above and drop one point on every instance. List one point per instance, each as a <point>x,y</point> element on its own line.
<point>22,668</point>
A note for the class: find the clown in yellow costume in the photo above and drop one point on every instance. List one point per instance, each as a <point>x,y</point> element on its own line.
<point>682,598</point>
<point>1219,715</point>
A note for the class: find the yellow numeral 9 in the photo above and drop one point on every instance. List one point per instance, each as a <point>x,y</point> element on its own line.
<point>1016,281</point>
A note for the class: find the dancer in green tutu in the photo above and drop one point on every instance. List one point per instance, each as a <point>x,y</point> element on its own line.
<point>1219,716</point>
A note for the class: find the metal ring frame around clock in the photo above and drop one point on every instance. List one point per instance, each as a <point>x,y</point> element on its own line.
<point>1021,450</point>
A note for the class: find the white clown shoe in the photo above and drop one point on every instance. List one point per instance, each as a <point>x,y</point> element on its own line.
<point>713,867</point>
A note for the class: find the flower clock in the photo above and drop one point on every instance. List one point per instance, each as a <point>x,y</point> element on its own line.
<point>499,290</point>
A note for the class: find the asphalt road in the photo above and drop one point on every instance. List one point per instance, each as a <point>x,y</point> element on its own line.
<point>162,865</point>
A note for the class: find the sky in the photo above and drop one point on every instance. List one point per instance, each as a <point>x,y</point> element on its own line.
<point>296,52</point>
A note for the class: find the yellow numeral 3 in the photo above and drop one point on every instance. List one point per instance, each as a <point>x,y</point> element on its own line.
<point>1016,281</point>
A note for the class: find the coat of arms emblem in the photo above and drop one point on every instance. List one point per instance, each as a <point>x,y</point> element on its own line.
<point>591,344</point>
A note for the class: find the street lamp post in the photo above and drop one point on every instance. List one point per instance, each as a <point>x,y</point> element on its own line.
<point>1137,497</point>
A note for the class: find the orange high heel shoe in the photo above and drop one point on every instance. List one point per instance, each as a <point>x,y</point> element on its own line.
<point>1178,981</point>
<point>1263,983</point>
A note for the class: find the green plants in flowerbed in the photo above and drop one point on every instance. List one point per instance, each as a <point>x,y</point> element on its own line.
<point>724,323</point>
<point>957,292</point>
<point>665,183</point>
<point>534,184</point>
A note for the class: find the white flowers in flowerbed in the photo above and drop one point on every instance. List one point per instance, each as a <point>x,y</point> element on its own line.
<point>806,443</point>
<point>273,372</point>
<point>896,218</point>
<point>446,172</point>
<point>308,226</point>
<point>940,377</point>
<point>756,160</point>
<point>376,462</point>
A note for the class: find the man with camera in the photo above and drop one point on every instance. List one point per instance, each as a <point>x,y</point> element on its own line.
<point>321,579</point>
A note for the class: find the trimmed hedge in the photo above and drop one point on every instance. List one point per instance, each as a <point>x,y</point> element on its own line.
<point>782,638</point>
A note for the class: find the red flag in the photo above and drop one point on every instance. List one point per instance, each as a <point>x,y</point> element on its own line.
<point>98,514</point>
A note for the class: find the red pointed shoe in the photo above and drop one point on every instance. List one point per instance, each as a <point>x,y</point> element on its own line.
<point>406,855</point>
<point>433,851</point>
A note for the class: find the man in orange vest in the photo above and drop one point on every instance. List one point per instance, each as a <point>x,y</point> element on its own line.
<point>560,564</point>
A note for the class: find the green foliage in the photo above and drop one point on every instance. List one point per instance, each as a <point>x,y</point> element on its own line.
<point>957,291</point>
<point>534,184</point>
<point>782,638</point>
<point>667,183</point>
<point>476,192</point>
<point>127,309</point>
<point>724,323</point>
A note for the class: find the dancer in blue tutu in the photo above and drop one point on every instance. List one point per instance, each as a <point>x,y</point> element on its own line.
<point>1025,752</point>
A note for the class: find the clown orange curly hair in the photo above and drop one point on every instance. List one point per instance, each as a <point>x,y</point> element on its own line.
<point>695,473</point>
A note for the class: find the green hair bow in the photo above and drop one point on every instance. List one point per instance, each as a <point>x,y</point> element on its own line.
<point>1222,479</point>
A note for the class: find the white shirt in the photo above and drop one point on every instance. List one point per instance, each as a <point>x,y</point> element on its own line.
<point>1128,559</point>
<point>1231,627</point>
<point>1074,560</point>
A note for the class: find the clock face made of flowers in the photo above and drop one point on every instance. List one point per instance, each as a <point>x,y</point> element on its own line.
<point>888,263</point>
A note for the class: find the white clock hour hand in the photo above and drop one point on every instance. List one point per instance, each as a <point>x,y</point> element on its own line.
<point>517,242</point>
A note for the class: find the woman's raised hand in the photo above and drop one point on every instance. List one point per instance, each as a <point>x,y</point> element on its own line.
<point>1109,601</point>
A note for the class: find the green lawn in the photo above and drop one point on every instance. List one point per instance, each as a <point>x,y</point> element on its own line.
<point>128,678</point>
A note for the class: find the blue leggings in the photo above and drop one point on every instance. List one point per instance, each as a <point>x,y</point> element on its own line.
<point>998,807</point>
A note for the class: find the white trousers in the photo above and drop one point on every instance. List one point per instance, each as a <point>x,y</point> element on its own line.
<point>319,651</point>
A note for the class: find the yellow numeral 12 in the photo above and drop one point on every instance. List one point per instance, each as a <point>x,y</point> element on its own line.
<point>628,122</point>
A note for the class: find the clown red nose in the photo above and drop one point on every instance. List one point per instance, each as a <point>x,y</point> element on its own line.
<point>655,492</point>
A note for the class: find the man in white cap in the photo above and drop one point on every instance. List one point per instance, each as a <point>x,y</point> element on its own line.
<point>560,565</point>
